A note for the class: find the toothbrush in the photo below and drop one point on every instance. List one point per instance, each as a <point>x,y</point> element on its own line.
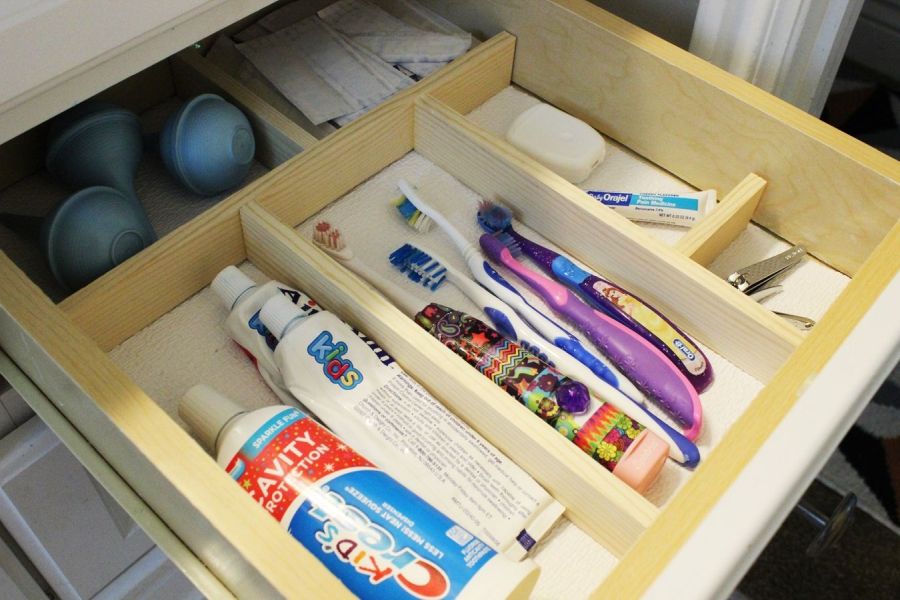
<point>646,366</point>
<point>602,294</point>
<point>428,269</point>
<point>420,215</point>
<point>600,430</point>
<point>331,241</point>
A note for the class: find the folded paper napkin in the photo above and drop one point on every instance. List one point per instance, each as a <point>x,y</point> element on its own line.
<point>321,72</point>
<point>410,35</point>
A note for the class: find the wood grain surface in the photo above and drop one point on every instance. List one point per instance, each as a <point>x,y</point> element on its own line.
<point>709,309</point>
<point>831,193</point>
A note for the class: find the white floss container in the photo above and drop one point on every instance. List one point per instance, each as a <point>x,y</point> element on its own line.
<point>568,146</point>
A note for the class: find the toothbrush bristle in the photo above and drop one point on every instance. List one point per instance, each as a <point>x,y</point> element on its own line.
<point>412,215</point>
<point>328,237</point>
<point>511,243</point>
<point>418,266</point>
<point>493,217</point>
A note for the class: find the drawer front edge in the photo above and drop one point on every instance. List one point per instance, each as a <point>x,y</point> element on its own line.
<point>100,470</point>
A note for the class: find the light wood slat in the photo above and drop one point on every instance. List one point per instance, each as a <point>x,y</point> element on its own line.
<point>277,137</point>
<point>708,308</point>
<point>683,514</point>
<point>595,500</point>
<point>123,301</point>
<point>241,544</point>
<point>124,495</point>
<point>708,238</point>
<point>827,191</point>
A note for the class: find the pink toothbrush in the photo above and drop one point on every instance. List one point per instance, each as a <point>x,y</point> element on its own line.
<point>639,360</point>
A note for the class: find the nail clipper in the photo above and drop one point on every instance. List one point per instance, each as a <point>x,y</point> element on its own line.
<point>760,280</point>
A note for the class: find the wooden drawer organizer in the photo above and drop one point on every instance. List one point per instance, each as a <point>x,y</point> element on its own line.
<point>63,349</point>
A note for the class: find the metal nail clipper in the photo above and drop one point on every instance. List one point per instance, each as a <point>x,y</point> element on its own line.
<point>760,280</point>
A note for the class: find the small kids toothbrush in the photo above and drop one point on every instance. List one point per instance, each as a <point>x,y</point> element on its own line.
<point>621,445</point>
<point>618,303</point>
<point>422,268</point>
<point>420,215</point>
<point>646,366</point>
<point>429,270</point>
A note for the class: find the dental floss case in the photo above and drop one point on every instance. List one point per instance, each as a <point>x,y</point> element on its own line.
<point>568,146</point>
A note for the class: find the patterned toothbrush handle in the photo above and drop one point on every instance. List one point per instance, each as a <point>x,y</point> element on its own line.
<point>626,308</point>
<point>646,366</point>
<point>605,435</point>
<point>505,320</point>
<point>576,355</point>
<point>650,324</point>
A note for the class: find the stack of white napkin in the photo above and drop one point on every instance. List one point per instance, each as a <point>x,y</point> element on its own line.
<point>350,57</point>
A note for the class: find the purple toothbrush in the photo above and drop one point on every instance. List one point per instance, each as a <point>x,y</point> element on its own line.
<point>618,303</point>
<point>639,360</point>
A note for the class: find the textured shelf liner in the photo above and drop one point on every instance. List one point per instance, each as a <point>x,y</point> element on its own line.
<point>189,345</point>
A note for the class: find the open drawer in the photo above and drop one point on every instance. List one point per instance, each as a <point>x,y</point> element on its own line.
<point>71,351</point>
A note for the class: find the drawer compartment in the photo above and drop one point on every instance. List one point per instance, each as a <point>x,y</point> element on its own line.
<point>64,348</point>
<point>153,94</point>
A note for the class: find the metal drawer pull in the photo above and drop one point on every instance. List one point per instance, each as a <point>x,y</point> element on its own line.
<point>830,528</point>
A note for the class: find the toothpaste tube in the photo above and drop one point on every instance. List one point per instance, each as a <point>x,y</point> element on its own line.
<point>244,298</point>
<point>377,537</point>
<point>669,209</point>
<point>361,394</point>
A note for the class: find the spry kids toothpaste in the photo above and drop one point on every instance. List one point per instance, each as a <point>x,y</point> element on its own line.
<point>377,537</point>
<point>244,298</point>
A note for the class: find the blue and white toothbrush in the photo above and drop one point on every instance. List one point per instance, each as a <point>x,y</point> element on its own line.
<point>429,270</point>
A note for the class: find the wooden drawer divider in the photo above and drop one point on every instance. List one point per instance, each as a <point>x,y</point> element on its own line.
<point>607,509</point>
<point>828,191</point>
<point>708,308</point>
<point>709,238</point>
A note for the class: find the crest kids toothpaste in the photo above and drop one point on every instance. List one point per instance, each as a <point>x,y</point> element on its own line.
<point>377,537</point>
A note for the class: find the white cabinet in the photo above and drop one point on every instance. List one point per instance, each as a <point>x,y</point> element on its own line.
<point>16,583</point>
<point>82,542</point>
<point>59,52</point>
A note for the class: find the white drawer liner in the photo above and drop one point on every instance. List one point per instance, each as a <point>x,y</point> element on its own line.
<point>189,345</point>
